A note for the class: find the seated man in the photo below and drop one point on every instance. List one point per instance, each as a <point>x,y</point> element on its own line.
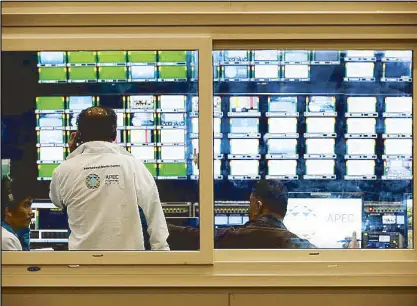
<point>16,216</point>
<point>265,229</point>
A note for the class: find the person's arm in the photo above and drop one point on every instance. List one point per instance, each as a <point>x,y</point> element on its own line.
<point>10,244</point>
<point>55,191</point>
<point>148,200</point>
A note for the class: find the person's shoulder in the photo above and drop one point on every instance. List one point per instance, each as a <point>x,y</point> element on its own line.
<point>9,242</point>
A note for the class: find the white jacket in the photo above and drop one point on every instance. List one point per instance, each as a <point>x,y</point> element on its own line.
<point>102,185</point>
<point>9,242</point>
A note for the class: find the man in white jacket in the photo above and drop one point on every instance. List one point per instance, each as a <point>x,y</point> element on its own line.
<point>102,186</point>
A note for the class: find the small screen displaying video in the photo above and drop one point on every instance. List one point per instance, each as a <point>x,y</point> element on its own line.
<point>398,147</point>
<point>320,167</point>
<point>235,72</point>
<point>141,136</point>
<point>169,103</point>
<point>320,146</point>
<point>282,125</point>
<point>142,103</point>
<point>51,137</point>
<point>266,56</point>
<point>296,71</point>
<point>360,70</point>
<point>172,136</point>
<point>296,56</point>
<point>56,103</point>
<point>326,56</point>
<point>51,58</point>
<point>82,58</point>
<point>320,125</point>
<point>267,71</point>
<point>176,120</point>
<point>360,168</point>
<point>282,104</point>
<point>244,104</point>
<point>321,104</point>
<point>140,57</point>
<point>360,146</point>
<point>361,104</point>
<point>282,167</point>
<point>397,70</point>
<point>244,168</point>
<point>361,125</point>
<point>172,153</point>
<point>398,168</point>
<point>244,146</point>
<point>51,154</point>
<point>78,103</point>
<point>244,125</point>
<point>50,120</point>
<point>282,146</point>
<point>142,73</point>
<point>398,104</point>
<point>399,126</point>
<point>143,119</point>
<point>235,56</point>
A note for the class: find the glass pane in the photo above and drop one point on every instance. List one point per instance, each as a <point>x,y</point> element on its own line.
<point>110,203</point>
<point>316,150</point>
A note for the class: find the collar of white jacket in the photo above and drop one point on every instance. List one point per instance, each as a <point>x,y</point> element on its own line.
<point>97,147</point>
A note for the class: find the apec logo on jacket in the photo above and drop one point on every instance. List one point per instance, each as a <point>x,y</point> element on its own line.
<point>112,179</point>
<point>92,181</point>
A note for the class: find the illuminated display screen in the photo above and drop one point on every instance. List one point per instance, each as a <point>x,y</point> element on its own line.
<point>142,73</point>
<point>172,136</point>
<point>399,54</point>
<point>282,104</point>
<point>397,70</point>
<point>82,74</point>
<point>266,55</point>
<point>142,102</point>
<point>361,126</point>
<point>141,57</point>
<point>282,125</point>
<point>320,167</point>
<point>52,58</point>
<point>244,104</point>
<point>326,56</point>
<point>236,72</point>
<point>244,167</point>
<point>52,74</point>
<point>320,146</point>
<point>111,57</point>
<point>82,58</point>
<point>79,103</point>
<point>72,120</point>
<point>282,146</point>
<point>282,167</point>
<point>173,120</point>
<point>172,153</point>
<point>51,153</point>
<point>398,104</point>
<point>360,146</point>
<point>296,56</point>
<point>320,125</point>
<point>398,126</point>
<point>266,71</point>
<point>244,125</point>
<point>142,119</point>
<point>141,136</point>
<point>244,146</point>
<point>173,169</point>
<point>173,72</point>
<point>112,73</point>
<point>398,147</point>
<point>361,104</point>
<point>360,70</point>
<point>50,103</point>
<point>50,120</point>
<point>296,71</point>
<point>360,167</point>
<point>321,104</point>
<point>45,171</point>
<point>236,56</point>
<point>172,103</point>
<point>398,168</point>
<point>50,137</point>
<point>360,53</point>
<point>172,56</point>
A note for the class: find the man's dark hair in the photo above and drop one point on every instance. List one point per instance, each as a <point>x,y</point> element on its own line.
<point>274,194</point>
<point>12,193</point>
<point>97,124</point>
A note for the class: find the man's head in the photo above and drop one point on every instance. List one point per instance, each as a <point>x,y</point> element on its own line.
<point>268,198</point>
<point>97,124</point>
<point>16,204</point>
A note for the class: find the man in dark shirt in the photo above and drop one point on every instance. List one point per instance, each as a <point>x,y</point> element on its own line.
<point>264,230</point>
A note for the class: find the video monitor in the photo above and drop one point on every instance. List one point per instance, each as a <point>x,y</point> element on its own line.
<point>398,169</point>
<point>320,167</point>
<point>296,72</point>
<point>321,104</point>
<point>363,147</point>
<point>267,71</point>
<point>282,147</point>
<point>320,125</point>
<point>82,74</point>
<point>194,126</point>
<point>52,219</point>
<point>242,104</point>
<point>216,170</point>
<point>244,168</point>
<point>173,72</point>
<point>266,55</point>
<point>296,56</point>
<point>282,104</point>
<point>141,57</point>
<point>231,72</point>
<point>173,170</point>
<point>360,70</point>
<point>236,56</point>
<point>396,71</point>
<point>115,102</point>
<point>282,125</point>
<point>357,55</point>
<point>47,58</point>
<point>282,168</point>
<point>111,58</point>
<point>141,136</point>
<point>72,121</point>
<point>320,146</point>
<point>364,105</point>
<point>45,171</point>
<point>217,143</point>
<point>142,120</point>
<point>175,136</point>
<point>324,222</point>
<point>50,104</point>
<point>244,125</point>
<point>172,153</point>
<point>397,55</point>
<point>326,57</point>
<point>399,105</point>
<point>142,103</point>
<point>403,126</point>
<point>361,126</point>
<point>402,147</point>
<point>244,147</point>
<point>50,137</point>
<point>50,120</point>
<point>152,168</point>
<point>363,168</point>
<point>78,103</point>
<point>52,75</point>
<point>174,120</point>
<point>51,154</point>
<point>172,103</point>
<point>120,119</point>
<point>112,74</point>
<point>217,127</point>
<point>82,58</point>
<point>142,73</point>
<point>172,56</point>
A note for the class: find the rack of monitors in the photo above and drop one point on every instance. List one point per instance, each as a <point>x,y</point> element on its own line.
<point>117,66</point>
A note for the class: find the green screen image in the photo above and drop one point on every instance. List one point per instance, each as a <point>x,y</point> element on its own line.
<point>112,73</point>
<point>151,168</point>
<point>5,168</point>
<point>85,73</point>
<point>49,103</point>
<point>173,169</point>
<point>81,57</point>
<point>111,56</point>
<point>46,170</point>
<point>172,72</point>
<point>172,56</point>
<point>52,74</point>
<point>141,56</point>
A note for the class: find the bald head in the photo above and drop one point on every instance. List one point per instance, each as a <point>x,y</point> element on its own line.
<point>97,124</point>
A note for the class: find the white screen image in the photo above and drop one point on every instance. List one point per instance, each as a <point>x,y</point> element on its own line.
<point>361,125</point>
<point>51,153</point>
<point>79,103</point>
<point>360,53</point>
<point>320,167</point>
<point>172,102</point>
<point>120,119</point>
<point>282,146</point>
<point>404,55</point>
<point>398,104</point>
<point>361,104</point>
<point>141,136</point>
<point>399,167</point>
<point>235,56</point>
<point>143,153</point>
<point>216,125</point>
<point>217,167</point>
<point>360,146</point>
<point>297,71</point>
<point>142,102</point>
<point>266,71</point>
<point>398,147</point>
<point>234,72</point>
<point>244,167</point>
<point>244,125</point>
<point>320,125</point>
<point>244,146</point>
<point>399,126</point>
<point>172,136</point>
<point>282,125</point>
<point>235,220</point>
<point>173,153</point>
<point>324,221</point>
<point>52,58</point>
<point>220,220</point>
<point>266,55</point>
<point>296,56</point>
<point>216,146</point>
<point>389,219</point>
<point>360,167</point>
<point>50,120</point>
<point>143,119</point>
<point>384,238</point>
<point>360,70</point>
<point>320,146</point>
<point>282,167</point>
<point>142,72</point>
<point>50,137</point>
